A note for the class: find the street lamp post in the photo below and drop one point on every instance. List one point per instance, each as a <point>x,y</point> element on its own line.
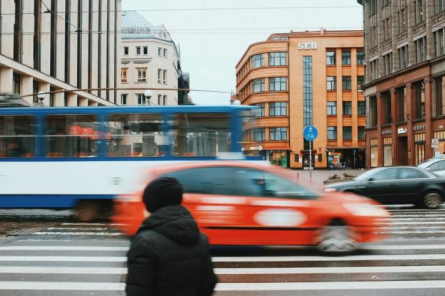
<point>148,94</point>
<point>41,96</point>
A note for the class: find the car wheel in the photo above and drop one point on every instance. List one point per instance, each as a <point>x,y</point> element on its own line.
<point>432,200</point>
<point>337,237</point>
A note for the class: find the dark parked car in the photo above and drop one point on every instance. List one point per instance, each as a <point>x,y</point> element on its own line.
<point>397,185</point>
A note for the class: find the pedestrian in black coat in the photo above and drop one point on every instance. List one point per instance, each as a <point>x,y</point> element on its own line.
<point>169,255</point>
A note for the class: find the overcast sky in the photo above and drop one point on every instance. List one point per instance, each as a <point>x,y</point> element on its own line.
<point>212,42</point>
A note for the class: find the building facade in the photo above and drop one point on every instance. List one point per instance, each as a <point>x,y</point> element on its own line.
<point>405,80</point>
<point>48,46</point>
<point>150,60</point>
<point>305,78</point>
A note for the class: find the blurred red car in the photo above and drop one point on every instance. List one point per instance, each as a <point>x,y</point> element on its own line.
<point>248,203</point>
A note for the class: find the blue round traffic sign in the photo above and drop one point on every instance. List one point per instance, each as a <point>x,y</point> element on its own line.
<point>310,133</point>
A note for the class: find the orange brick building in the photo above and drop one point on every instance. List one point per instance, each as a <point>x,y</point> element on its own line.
<point>303,78</point>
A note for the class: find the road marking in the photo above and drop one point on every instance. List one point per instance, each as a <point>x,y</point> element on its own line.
<point>411,223</point>
<point>418,228</point>
<point>370,285</point>
<point>79,228</point>
<point>78,233</point>
<point>412,232</point>
<point>406,247</point>
<point>62,259</point>
<point>61,270</point>
<point>410,219</point>
<point>419,216</point>
<point>62,248</point>
<point>62,286</point>
<point>326,258</point>
<point>331,270</point>
<point>92,224</point>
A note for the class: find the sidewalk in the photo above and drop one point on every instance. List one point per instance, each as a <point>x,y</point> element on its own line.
<point>318,176</point>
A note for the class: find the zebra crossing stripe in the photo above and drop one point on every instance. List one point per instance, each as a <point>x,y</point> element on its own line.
<point>61,270</point>
<point>62,286</point>
<point>63,248</point>
<point>78,233</point>
<point>313,286</point>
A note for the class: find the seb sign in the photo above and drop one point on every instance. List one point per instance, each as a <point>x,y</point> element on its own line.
<point>307,46</point>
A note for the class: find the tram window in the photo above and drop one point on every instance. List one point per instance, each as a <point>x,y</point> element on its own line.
<point>17,136</point>
<point>136,135</point>
<point>198,135</point>
<point>71,136</point>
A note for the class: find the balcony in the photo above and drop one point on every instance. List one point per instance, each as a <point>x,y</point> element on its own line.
<point>387,45</point>
<point>438,18</point>
<point>419,29</point>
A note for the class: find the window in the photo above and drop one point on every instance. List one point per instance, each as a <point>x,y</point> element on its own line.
<point>259,135</point>
<point>386,105</point>
<point>277,59</point>
<point>159,51</point>
<point>420,49</point>
<point>403,57</point>
<point>361,133</point>
<point>387,60</point>
<point>347,133</point>
<point>360,57</point>
<point>436,166</point>
<point>159,75</point>
<point>386,174</point>
<point>330,58</point>
<point>164,100</point>
<point>307,91</point>
<point>258,85</point>
<point>360,82</point>
<point>346,58</point>
<point>17,136</point>
<point>440,6</point>
<point>401,104</point>
<point>126,51</point>
<point>347,108</point>
<point>278,109</point>
<point>124,99</point>
<point>277,84</point>
<point>258,61</point>
<point>145,50</point>
<point>71,136</point>
<point>346,82</point>
<point>165,52</point>
<point>361,108</point>
<point>420,14</point>
<point>142,75</point>
<point>142,100</point>
<point>261,111</point>
<point>16,79</point>
<point>439,42</point>
<point>196,134</point>
<point>136,135</point>
<point>372,7</point>
<point>278,134</point>
<point>124,72</point>
<point>164,76</point>
<point>159,100</point>
<point>439,97</point>
<point>372,119</point>
<point>407,173</point>
<point>138,50</point>
<point>332,108</point>
<point>332,133</point>
<point>374,69</point>
<point>387,29</point>
<point>332,83</point>
<point>231,181</point>
<point>419,99</point>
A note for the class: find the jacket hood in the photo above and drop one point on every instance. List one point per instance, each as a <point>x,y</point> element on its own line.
<point>174,222</point>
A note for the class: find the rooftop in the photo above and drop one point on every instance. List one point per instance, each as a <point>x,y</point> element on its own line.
<point>135,26</point>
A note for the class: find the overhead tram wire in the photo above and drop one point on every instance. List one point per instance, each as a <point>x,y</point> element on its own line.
<point>208,9</point>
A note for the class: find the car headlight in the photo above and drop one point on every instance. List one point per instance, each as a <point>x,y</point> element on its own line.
<point>329,189</point>
<point>365,210</point>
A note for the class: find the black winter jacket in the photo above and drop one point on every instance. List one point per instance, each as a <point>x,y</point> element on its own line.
<point>170,256</point>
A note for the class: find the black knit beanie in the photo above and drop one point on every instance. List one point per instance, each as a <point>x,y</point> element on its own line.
<point>162,192</point>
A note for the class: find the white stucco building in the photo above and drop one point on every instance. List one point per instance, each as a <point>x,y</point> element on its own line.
<point>46,45</point>
<point>150,60</point>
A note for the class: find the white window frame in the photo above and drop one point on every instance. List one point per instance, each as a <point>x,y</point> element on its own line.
<point>144,50</point>
<point>128,51</point>
<point>122,99</point>
<point>159,76</point>
<point>164,76</point>
<point>138,50</point>
<point>124,78</point>
<point>141,99</point>
<point>142,78</point>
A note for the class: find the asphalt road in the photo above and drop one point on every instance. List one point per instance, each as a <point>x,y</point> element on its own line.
<point>46,253</point>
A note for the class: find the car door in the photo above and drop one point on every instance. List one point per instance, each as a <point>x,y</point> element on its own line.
<point>278,212</point>
<point>210,196</point>
<point>410,185</point>
<point>382,185</point>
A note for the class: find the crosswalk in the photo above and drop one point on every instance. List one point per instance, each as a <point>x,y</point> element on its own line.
<point>90,259</point>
